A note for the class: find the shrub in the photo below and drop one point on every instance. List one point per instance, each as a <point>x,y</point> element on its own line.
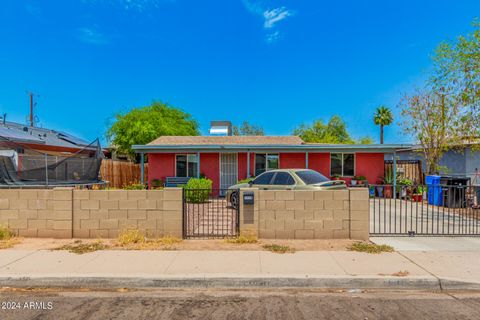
<point>5,233</point>
<point>134,186</point>
<point>245,180</point>
<point>157,183</point>
<point>198,190</point>
<point>361,178</point>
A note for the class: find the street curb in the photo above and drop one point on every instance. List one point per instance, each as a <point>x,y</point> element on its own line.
<point>430,284</point>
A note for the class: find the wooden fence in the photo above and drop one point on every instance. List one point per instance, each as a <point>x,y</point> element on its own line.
<point>410,169</point>
<point>121,173</point>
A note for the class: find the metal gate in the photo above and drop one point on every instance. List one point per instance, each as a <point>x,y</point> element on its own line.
<point>210,214</point>
<point>424,211</point>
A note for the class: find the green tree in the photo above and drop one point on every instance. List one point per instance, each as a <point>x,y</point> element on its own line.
<point>247,129</point>
<point>365,140</point>
<point>383,117</point>
<point>145,124</point>
<point>456,76</point>
<point>432,119</point>
<point>335,131</point>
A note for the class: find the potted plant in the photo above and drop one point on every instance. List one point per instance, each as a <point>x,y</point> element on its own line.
<point>336,177</point>
<point>388,182</point>
<point>359,180</point>
<point>379,187</point>
<point>417,195</point>
<point>403,187</point>
<point>157,183</point>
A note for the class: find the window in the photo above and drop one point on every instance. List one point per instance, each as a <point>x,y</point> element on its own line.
<point>186,165</point>
<point>264,178</point>
<point>284,179</point>
<point>265,162</point>
<point>342,164</point>
<point>311,177</point>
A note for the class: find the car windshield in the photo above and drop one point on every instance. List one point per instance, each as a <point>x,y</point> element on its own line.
<point>311,177</point>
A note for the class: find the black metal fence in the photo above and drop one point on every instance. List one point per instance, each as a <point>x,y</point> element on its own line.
<point>210,213</point>
<point>424,210</point>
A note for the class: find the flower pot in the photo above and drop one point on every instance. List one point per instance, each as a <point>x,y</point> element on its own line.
<point>388,191</point>
<point>417,198</point>
<point>353,182</point>
<point>380,191</point>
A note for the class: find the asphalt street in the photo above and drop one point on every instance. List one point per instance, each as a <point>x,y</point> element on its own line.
<point>236,304</point>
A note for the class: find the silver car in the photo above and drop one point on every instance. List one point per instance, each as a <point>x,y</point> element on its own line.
<point>286,179</point>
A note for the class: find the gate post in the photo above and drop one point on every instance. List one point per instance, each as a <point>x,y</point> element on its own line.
<point>248,223</point>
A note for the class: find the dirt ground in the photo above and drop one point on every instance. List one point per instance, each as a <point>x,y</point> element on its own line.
<point>217,244</point>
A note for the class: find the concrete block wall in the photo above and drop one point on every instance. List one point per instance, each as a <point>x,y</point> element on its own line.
<point>338,214</point>
<point>104,213</point>
<point>67,213</point>
<point>37,213</point>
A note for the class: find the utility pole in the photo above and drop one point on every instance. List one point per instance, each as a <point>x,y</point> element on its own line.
<point>31,117</point>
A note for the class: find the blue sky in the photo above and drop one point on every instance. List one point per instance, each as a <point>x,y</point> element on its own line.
<point>273,63</point>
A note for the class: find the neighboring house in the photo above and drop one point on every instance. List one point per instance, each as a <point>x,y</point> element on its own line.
<point>38,156</point>
<point>40,139</point>
<point>227,159</point>
<point>461,162</point>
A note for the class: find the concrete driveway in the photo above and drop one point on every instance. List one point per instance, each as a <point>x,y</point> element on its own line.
<point>430,243</point>
<point>390,216</point>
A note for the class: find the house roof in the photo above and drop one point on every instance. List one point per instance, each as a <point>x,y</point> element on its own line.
<point>175,144</point>
<point>21,133</point>
<point>226,140</point>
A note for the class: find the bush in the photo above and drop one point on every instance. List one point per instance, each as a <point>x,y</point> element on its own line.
<point>157,183</point>
<point>198,190</point>
<point>245,180</point>
<point>5,233</point>
<point>134,186</point>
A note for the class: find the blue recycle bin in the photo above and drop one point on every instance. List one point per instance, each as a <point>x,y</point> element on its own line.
<point>434,190</point>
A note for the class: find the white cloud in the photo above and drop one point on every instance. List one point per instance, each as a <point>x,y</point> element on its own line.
<point>270,17</point>
<point>272,37</point>
<point>92,35</point>
<point>275,15</point>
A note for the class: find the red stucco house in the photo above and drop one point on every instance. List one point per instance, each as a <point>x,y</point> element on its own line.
<point>227,159</point>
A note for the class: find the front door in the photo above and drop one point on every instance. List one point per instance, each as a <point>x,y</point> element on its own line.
<point>228,171</point>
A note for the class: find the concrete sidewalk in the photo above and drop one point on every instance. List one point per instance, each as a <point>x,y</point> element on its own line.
<point>434,270</point>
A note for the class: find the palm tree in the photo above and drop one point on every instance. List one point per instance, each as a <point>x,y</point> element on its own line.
<point>383,117</point>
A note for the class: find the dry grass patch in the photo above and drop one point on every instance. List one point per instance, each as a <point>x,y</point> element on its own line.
<point>136,240</point>
<point>278,248</point>
<point>370,247</point>
<point>130,237</point>
<point>243,239</point>
<point>79,247</point>
<point>7,238</point>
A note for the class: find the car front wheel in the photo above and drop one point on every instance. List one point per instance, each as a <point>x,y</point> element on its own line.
<point>234,199</point>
